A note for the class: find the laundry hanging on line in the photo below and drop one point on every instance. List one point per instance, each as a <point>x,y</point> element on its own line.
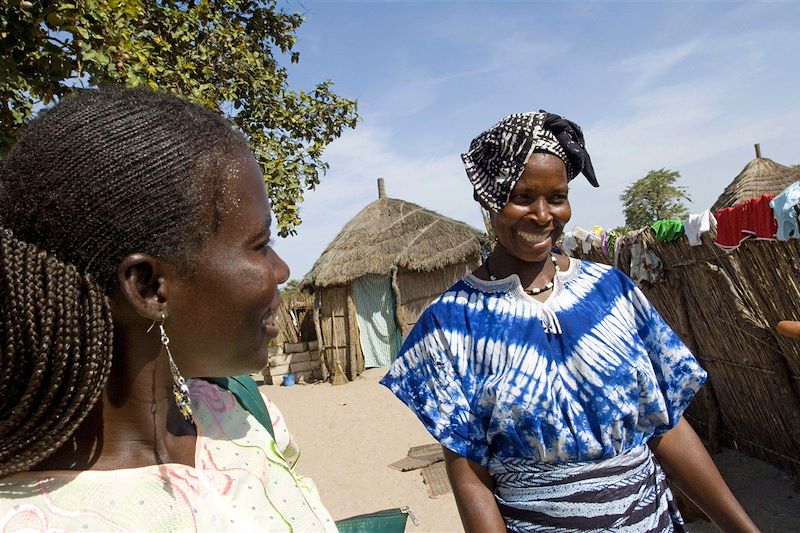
<point>668,230</point>
<point>752,219</point>
<point>785,209</point>
<point>696,225</point>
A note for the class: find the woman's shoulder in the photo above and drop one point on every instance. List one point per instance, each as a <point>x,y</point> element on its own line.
<point>585,268</point>
<point>451,310</point>
<point>466,294</point>
<point>89,500</point>
<point>597,284</point>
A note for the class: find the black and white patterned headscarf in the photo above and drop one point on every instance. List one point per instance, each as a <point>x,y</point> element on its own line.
<point>497,157</point>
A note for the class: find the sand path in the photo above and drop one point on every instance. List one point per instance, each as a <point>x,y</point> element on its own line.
<point>348,434</point>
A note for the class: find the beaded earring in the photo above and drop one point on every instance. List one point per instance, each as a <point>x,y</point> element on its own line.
<point>179,387</point>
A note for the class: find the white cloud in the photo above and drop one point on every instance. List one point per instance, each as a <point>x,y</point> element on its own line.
<point>696,106</point>
<point>649,66</point>
<point>415,89</point>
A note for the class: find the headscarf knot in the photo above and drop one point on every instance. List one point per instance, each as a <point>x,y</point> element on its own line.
<point>497,157</point>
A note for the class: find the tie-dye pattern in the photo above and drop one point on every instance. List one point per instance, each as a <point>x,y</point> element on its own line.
<point>489,378</point>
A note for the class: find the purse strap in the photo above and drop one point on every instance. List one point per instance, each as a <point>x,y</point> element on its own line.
<point>245,390</point>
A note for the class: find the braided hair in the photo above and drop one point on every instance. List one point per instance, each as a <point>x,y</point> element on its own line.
<point>101,175</point>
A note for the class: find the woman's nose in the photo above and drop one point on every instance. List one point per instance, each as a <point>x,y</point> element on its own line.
<point>540,212</point>
<point>280,269</point>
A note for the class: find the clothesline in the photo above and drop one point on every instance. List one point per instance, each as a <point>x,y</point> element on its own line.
<point>768,217</point>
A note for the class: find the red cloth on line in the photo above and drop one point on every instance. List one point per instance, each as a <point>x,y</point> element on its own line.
<point>753,218</point>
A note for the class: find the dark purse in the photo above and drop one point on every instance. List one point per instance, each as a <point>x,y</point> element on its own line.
<point>246,392</point>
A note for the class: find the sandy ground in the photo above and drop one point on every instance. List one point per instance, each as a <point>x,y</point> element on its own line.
<point>348,434</point>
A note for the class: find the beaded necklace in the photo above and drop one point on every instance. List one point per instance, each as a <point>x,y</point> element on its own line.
<point>534,291</point>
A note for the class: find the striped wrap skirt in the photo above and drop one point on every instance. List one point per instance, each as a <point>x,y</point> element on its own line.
<point>627,493</point>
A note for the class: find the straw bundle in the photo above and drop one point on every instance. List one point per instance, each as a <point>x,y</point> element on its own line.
<point>391,233</point>
<point>724,306</point>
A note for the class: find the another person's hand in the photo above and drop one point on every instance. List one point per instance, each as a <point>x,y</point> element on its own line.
<point>789,328</point>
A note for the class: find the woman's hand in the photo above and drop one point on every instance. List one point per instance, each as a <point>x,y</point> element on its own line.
<point>473,488</point>
<point>789,328</point>
<point>685,460</point>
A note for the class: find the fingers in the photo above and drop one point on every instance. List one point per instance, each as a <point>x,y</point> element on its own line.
<point>789,328</point>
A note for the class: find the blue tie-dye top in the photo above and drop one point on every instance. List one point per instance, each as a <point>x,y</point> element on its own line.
<point>592,372</point>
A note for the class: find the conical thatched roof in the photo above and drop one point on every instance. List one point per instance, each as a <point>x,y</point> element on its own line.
<point>759,176</point>
<point>394,233</point>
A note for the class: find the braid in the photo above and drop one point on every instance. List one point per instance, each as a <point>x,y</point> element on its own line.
<point>49,382</point>
<point>101,175</point>
<point>117,171</point>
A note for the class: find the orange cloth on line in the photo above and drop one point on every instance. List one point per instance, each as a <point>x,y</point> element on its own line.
<point>751,219</point>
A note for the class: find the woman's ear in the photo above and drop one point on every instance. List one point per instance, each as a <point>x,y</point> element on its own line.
<point>143,284</point>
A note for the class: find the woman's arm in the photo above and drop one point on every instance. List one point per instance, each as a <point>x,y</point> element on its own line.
<point>687,463</point>
<point>473,486</point>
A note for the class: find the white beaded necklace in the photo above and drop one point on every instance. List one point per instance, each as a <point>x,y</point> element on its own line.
<point>534,291</point>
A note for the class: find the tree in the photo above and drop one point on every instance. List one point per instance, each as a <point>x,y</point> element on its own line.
<point>221,53</point>
<point>291,288</point>
<point>621,230</point>
<point>654,197</point>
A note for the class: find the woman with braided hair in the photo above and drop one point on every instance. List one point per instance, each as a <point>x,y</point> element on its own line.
<point>555,388</point>
<point>134,256</point>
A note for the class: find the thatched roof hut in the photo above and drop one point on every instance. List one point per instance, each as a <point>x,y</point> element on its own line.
<point>391,259</point>
<point>760,176</point>
<point>391,233</point>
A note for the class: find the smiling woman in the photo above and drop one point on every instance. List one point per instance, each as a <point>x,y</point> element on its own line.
<point>135,262</point>
<point>231,293</point>
<point>555,388</point>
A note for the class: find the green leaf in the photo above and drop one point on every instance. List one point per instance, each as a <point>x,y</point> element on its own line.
<point>220,52</point>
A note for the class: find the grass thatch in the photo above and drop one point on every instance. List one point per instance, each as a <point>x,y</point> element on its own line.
<point>760,176</point>
<point>390,234</point>
<point>724,305</point>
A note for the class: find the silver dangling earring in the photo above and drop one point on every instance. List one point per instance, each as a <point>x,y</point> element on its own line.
<point>179,388</point>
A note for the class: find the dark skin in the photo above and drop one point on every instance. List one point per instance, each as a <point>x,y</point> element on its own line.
<point>220,315</point>
<point>527,228</point>
<point>530,223</point>
<point>473,489</point>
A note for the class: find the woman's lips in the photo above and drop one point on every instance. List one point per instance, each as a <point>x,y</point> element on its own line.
<point>268,323</point>
<point>533,237</point>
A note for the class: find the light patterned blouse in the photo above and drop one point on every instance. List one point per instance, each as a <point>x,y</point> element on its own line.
<point>243,480</point>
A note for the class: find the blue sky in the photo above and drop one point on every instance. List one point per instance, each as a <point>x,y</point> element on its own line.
<point>685,86</point>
